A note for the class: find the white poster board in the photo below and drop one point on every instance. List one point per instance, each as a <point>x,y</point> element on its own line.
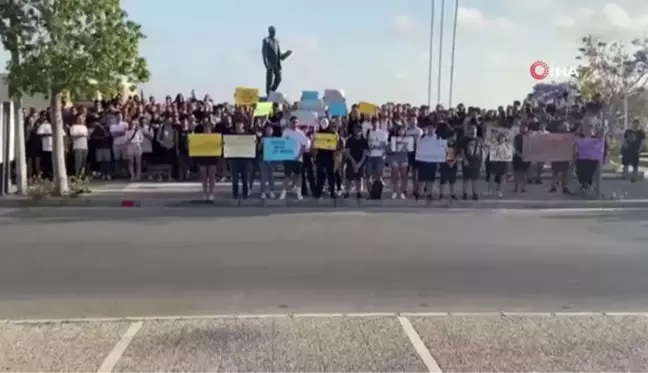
<point>402,144</point>
<point>431,150</point>
<point>239,146</point>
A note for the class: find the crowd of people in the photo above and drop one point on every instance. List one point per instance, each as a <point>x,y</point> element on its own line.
<point>129,138</point>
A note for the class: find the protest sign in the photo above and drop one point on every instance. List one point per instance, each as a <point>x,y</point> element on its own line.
<point>239,146</point>
<point>205,144</point>
<point>431,149</point>
<point>547,147</point>
<point>500,144</point>
<point>451,156</point>
<point>263,109</point>
<point>312,105</point>
<point>589,148</point>
<point>334,95</point>
<point>310,96</point>
<point>306,117</point>
<point>246,96</point>
<point>326,141</point>
<point>338,109</point>
<point>277,149</point>
<point>402,144</point>
<point>368,108</point>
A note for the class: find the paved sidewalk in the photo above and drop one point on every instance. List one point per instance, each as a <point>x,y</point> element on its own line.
<point>326,343</point>
<point>617,193</point>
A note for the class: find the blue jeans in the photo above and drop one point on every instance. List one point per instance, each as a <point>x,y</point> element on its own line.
<point>266,171</point>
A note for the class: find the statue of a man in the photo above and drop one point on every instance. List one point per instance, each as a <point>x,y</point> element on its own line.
<point>272,58</point>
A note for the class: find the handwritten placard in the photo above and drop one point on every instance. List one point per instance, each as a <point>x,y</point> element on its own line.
<point>277,149</point>
<point>548,147</point>
<point>326,141</point>
<point>239,146</point>
<point>401,144</point>
<point>431,149</point>
<point>205,145</point>
<point>589,148</point>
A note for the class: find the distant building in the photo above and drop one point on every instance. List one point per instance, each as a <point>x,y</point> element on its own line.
<point>38,101</point>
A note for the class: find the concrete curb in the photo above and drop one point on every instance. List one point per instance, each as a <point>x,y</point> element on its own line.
<point>93,202</point>
<point>238,316</point>
<point>643,171</point>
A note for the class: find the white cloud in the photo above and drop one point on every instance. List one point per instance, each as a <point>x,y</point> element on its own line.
<point>473,18</point>
<point>616,16</point>
<point>403,24</point>
<point>564,21</point>
<point>302,43</point>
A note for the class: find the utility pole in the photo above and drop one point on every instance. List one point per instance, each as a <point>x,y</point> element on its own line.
<point>16,95</point>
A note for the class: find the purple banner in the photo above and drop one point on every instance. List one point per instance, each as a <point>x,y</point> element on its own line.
<point>589,148</point>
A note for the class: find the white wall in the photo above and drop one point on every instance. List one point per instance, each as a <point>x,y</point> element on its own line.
<point>37,101</point>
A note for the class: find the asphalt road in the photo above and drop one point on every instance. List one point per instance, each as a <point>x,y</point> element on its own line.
<point>129,262</point>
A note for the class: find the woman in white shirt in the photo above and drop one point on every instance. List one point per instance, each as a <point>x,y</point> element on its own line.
<point>134,139</point>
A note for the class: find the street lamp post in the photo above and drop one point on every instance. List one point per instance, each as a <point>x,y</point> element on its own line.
<point>429,98</point>
<point>440,53</point>
<point>452,54</point>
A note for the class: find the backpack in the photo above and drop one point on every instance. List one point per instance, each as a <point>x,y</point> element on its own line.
<point>376,190</point>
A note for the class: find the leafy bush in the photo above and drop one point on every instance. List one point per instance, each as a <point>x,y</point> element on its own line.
<point>40,188</point>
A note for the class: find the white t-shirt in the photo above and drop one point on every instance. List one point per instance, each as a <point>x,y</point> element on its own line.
<point>115,130</point>
<point>134,136</point>
<point>377,142</point>
<point>45,131</point>
<point>300,137</point>
<point>82,141</point>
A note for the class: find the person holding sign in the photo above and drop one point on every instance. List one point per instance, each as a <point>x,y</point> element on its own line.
<point>399,145</point>
<point>448,169</point>
<point>293,169</point>
<point>266,168</point>
<point>431,150</point>
<point>207,166</point>
<point>357,150</point>
<point>472,155</point>
<point>325,161</point>
<point>377,140</point>
<point>240,160</point>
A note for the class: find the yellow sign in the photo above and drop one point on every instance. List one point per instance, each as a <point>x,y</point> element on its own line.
<point>367,108</point>
<point>326,141</point>
<point>205,145</point>
<point>263,109</point>
<point>246,96</point>
<point>239,146</point>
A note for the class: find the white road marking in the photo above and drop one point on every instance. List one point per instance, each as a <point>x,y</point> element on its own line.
<point>419,346</point>
<point>113,357</point>
<point>314,314</point>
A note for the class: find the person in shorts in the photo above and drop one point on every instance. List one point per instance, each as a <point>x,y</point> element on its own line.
<point>472,155</point>
<point>427,170</point>
<point>357,150</point>
<point>377,140</point>
<point>293,169</point>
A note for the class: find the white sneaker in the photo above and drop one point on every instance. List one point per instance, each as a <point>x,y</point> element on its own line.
<point>402,196</point>
<point>299,195</point>
<point>282,196</point>
<point>210,197</point>
<point>271,195</point>
<point>263,196</point>
<point>500,195</point>
<point>206,197</point>
<point>394,195</point>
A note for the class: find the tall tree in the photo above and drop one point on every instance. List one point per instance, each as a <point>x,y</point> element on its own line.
<point>78,46</point>
<point>613,71</point>
<point>15,25</point>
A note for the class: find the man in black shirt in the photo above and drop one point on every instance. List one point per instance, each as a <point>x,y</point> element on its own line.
<point>633,145</point>
<point>325,162</point>
<point>472,153</point>
<point>357,150</point>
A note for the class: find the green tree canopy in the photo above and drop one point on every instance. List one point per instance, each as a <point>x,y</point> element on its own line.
<point>80,46</point>
<point>613,70</point>
<point>77,46</point>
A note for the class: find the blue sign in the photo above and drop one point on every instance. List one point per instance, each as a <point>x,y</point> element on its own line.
<point>277,149</point>
<point>337,109</point>
<point>310,95</point>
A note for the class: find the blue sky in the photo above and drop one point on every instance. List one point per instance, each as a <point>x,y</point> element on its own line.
<point>373,50</point>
